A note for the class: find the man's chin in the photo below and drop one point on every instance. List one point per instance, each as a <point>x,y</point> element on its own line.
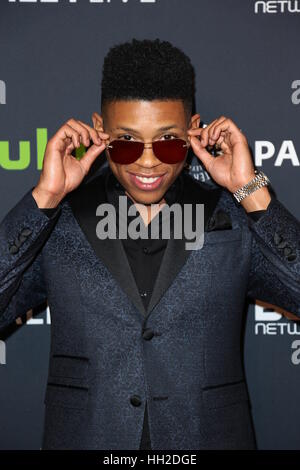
<point>146,200</point>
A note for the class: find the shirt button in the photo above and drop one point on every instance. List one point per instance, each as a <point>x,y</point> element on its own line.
<point>146,250</point>
<point>144,294</point>
<point>148,333</point>
<point>135,400</point>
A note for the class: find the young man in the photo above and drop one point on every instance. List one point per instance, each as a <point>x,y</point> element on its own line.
<point>145,334</point>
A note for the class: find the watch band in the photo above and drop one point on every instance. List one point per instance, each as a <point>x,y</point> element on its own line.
<point>257,182</point>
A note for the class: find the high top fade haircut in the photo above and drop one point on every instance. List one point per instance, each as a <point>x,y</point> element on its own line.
<point>147,70</point>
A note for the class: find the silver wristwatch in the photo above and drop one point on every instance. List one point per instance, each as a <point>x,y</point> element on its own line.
<point>257,182</point>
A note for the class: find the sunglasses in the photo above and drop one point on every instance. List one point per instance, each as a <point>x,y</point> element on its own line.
<point>167,151</point>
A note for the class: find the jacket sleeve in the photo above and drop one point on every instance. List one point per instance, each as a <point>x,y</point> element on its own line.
<point>23,232</point>
<point>274,275</point>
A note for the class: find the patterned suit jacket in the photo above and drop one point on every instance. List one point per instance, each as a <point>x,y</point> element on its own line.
<point>183,354</point>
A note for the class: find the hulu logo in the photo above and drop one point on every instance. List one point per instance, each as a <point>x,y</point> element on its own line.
<point>24,159</point>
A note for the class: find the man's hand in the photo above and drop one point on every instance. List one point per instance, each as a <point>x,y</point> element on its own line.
<point>234,167</point>
<point>61,172</point>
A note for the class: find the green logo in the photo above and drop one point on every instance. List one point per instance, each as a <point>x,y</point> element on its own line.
<point>25,152</point>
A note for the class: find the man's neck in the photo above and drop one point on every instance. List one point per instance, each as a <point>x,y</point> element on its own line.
<point>147,211</point>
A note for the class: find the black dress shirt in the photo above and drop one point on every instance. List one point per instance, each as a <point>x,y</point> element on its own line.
<point>146,252</point>
<point>144,255</point>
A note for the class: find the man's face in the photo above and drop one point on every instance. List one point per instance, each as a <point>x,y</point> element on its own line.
<point>144,121</point>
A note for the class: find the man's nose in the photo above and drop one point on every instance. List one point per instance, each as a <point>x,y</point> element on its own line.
<point>148,158</point>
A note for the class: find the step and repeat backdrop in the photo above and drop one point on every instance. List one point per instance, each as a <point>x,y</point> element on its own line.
<point>246,57</point>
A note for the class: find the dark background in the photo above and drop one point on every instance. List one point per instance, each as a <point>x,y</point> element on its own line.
<point>50,61</point>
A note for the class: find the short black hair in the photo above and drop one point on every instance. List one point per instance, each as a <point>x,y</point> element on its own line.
<point>148,70</point>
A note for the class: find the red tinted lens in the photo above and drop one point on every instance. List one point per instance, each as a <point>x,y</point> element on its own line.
<point>125,152</point>
<point>167,151</point>
<point>170,151</point>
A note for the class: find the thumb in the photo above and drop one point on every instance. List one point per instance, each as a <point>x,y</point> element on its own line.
<point>90,156</point>
<point>200,152</point>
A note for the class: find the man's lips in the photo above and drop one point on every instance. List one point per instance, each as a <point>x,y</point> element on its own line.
<point>147,182</point>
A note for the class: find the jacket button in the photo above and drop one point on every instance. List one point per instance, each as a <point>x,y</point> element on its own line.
<point>13,249</point>
<point>282,244</point>
<point>18,242</point>
<point>135,400</point>
<point>26,232</point>
<point>22,238</point>
<point>291,257</point>
<point>148,333</point>
<point>287,251</point>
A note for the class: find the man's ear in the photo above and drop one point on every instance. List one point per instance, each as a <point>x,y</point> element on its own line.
<point>194,123</point>
<point>97,121</point>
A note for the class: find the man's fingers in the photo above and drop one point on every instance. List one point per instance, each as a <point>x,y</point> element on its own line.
<point>85,132</point>
<point>209,135</point>
<point>200,152</point>
<point>67,134</point>
<point>97,136</point>
<point>74,132</point>
<point>226,129</point>
<point>216,136</point>
<point>91,155</point>
<point>218,128</point>
<point>86,135</point>
<point>203,132</point>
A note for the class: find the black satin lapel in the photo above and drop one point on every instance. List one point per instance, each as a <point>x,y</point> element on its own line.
<point>83,202</point>
<point>176,254</point>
